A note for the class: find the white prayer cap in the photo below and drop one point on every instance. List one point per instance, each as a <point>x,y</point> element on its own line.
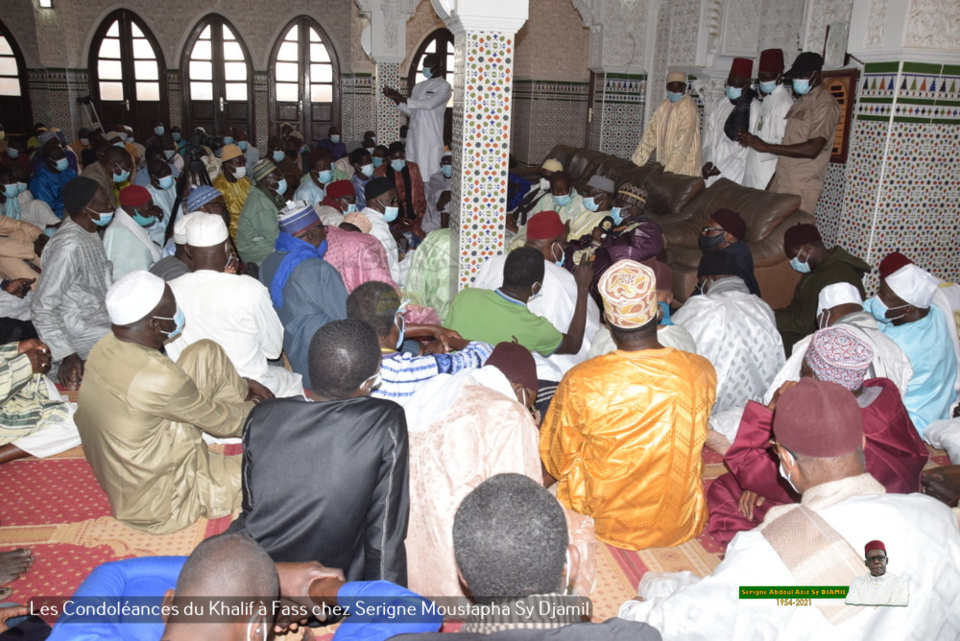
<point>914,285</point>
<point>133,297</point>
<point>180,227</point>
<point>676,76</point>
<point>838,294</point>
<point>206,231</point>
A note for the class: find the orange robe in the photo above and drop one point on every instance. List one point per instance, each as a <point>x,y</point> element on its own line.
<point>623,438</point>
<point>235,194</point>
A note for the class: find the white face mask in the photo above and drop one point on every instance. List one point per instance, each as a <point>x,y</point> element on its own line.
<point>544,184</point>
<point>239,172</point>
<point>537,295</point>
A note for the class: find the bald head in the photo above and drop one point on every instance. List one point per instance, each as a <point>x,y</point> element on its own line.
<point>228,565</point>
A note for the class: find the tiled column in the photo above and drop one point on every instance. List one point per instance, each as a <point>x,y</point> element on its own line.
<point>389,117</point>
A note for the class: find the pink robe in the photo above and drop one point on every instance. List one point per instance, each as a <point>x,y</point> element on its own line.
<point>894,454</point>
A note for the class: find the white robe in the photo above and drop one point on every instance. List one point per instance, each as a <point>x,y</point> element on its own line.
<point>736,331</point>
<point>380,229</point>
<point>727,155</point>
<point>769,127</point>
<point>557,304</point>
<point>128,246</point>
<point>425,107</point>
<point>437,185</point>
<point>673,336</point>
<point>887,589</point>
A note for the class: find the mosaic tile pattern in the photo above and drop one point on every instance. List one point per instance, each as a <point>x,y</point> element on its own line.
<point>261,112</point>
<point>482,114</point>
<point>548,113</point>
<point>357,111</point>
<point>53,96</point>
<point>389,117</point>
<point>618,111</point>
<point>175,98</point>
<point>831,202</point>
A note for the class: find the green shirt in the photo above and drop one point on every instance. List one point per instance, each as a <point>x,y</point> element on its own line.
<point>494,317</point>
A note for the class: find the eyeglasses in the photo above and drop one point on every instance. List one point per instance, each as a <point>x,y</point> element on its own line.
<point>707,228</point>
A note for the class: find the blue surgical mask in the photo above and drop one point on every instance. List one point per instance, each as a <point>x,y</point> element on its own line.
<point>103,219</point>
<point>800,266</point>
<point>352,207</point>
<point>562,201</point>
<point>282,187</point>
<point>22,186</point>
<point>879,309</point>
<point>169,153</point>
<point>402,326</point>
<point>390,214</point>
<point>447,170</point>
<point>665,319</point>
<point>176,136</point>
<point>768,87</point>
<point>122,176</point>
<point>243,144</point>
<point>228,140</point>
<point>427,73</point>
<point>398,165</point>
<point>13,153</point>
<point>62,164</point>
<point>733,93</point>
<point>158,130</point>
<point>325,176</point>
<point>278,156</point>
<point>377,161</point>
<point>590,203</point>
<point>335,138</point>
<point>143,221</point>
<point>178,319</point>
<point>558,261</point>
<point>11,191</point>
<point>367,170</point>
<point>616,215</point>
<point>166,182</point>
<point>674,96</point>
<point>801,86</point>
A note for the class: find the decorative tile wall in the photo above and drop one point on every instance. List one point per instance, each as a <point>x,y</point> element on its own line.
<point>357,105</point>
<point>482,112</point>
<point>53,97</point>
<point>261,111</point>
<point>174,97</point>
<point>831,202</point>
<point>389,117</point>
<point>618,111</point>
<point>548,113</point>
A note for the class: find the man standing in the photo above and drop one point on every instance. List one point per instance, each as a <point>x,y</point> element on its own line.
<point>68,305</point>
<point>257,228</point>
<point>142,416</point>
<point>306,290</point>
<point>804,152</point>
<point>776,101</point>
<point>724,233</point>
<point>618,453</point>
<point>125,241</point>
<point>673,131</point>
<point>233,183</point>
<point>352,513</point>
<point>737,111</point>
<point>877,587</point>
<point>425,107</point>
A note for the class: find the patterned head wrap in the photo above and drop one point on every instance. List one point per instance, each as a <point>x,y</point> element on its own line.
<point>359,221</point>
<point>629,292</point>
<point>263,169</point>
<point>633,194</point>
<point>201,195</point>
<point>837,356</point>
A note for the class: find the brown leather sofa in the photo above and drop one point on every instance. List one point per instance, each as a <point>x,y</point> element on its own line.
<point>681,206</point>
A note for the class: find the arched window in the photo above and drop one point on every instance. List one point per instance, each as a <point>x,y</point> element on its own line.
<point>439,42</point>
<point>14,103</point>
<point>217,78</point>
<point>304,80</point>
<point>128,74</point>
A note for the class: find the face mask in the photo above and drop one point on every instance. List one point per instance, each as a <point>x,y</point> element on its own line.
<point>665,316</point>
<point>537,294</point>
<point>562,201</point>
<point>120,144</point>
<point>335,138</point>
<point>13,153</point>
<point>176,136</point>
<point>22,187</point>
<point>123,137</point>
<point>103,218</point>
<point>398,165</point>
<point>377,161</point>
<point>143,221</point>
<point>447,170</point>
<point>278,156</point>
<point>801,86</point>
<point>591,203</point>
<point>228,140</point>
<point>786,477</point>
<point>166,182</point>
<point>402,326</point>
<point>390,214</point>
<point>61,165</point>
<point>370,150</point>
<point>427,73</point>
<point>557,261</point>
<point>158,130</point>
<point>879,310</point>
<point>733,93</point>
<point>123,175</point>
<point>240,172</point>
<point>799,266</point>
<point>545,184</point>
<point>709,243</point>
<point>674,96</point>
<point>178,318</point>
<point>367,170</point>
<point>282,187</point>
<point>616,215</point>
<point>85,142</point>
<point>325,176</point>
<point>11,190</point>
<point>768,87</point>
<point>352,207</point>
<point>242,145</point>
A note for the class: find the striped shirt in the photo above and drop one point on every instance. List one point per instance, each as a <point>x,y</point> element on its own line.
<point>402,374</point>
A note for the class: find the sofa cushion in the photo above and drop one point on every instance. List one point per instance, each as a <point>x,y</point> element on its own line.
<point>669,193</point>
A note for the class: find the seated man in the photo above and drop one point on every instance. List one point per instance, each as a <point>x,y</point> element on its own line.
<point>232,309</point>
<point>502,562</point>
<point>352,513</point>
<point>179,263</point>
<point>51,176</point>
<point>563,199</point>
<point>734,330</point>
<point>21,242</point>
<point>540,189</point>
<point>724,233</point>
<point>378,305</point>
<point>820,267</point>
<point>338,200</point>
<point>332,144</point>
<point>815,543</point>
<point>32,210</point>
<point>382,209</point>
<point>617,452</point>
<point>314,183</point>
<point>597,201</point>
<point>68,306</point>
<point>362,163</point>
<point>502,315</point>
<point>233,183</point>
<point>142,416</point>
<point>126,242</point>
<point>257,228</point>
<point>408,181</point>
<point>894,453</point>
<point>877,587</point>
<point>111,171</point>
<point>161,184</point>
<point>306,290</point>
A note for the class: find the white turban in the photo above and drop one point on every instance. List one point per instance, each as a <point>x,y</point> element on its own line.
<point>180,227</point>
<point>914,285</point>
<point>133,297</point>
<point>206,231</point>
<point>838,294</point>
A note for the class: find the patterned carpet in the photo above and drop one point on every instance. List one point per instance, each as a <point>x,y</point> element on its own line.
<point>56,507</point>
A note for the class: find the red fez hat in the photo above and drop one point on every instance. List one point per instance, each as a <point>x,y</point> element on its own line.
<point>134,196</point>
<point>771,61</point>
<point>517,364</point>
<point>545,225</point>
<point>742,67</point>
<point>340,188</point>
<point>818,419</point>
<point>892,263</point>
<point>874,545</point>
<point>800,234</point>
<point>731,222</point>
